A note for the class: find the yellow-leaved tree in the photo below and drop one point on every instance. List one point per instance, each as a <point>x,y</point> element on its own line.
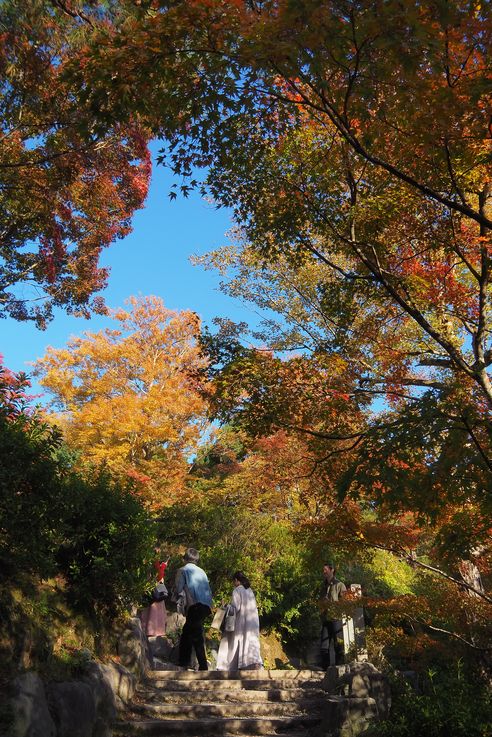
<point>127,398</point>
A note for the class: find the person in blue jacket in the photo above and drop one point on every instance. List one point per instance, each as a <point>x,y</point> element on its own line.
<point>192,583</point>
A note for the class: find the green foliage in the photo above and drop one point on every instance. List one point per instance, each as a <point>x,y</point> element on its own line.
<point>384,575</point>
<point>451,702</point>
<point>421,457</point>
<point>40,630</point>
<point>74,660</point>
<point>283,565</point>
<point>282,572</point>
<point>291,579</point>
<point>32,500</point>
<point>107,554</point>
<point>52,521</point>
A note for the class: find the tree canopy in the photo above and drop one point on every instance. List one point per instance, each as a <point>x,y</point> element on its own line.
<point>352,141</point>
<point>68,184</point>
<point>128,399</point>
<point>354,133</point>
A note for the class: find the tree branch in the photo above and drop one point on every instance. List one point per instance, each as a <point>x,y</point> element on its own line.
<point>443,631</point>
<point>401,553</point>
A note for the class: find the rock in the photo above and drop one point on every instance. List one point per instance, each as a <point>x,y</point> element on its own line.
<point>133,648</point>
<point>361,681</point>
<point>164,665</point>
<point>104,680</point>
<point>347,717</point>
<point>113,686</point>
<point>29,708</point>
<point>174,622</point>
<point>333,673</point>
<point>161,647</point>
<point>73,707</point>
<point>83,708</point>
<point>174,655</point>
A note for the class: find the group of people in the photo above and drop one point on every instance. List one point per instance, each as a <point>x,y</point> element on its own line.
<point>239,647</point>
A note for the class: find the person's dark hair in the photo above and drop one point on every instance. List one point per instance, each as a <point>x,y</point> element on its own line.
<point>330,564</point>
<point>243,580</point>
<point>191,555</point>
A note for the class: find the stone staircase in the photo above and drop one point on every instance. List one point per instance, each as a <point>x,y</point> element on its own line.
<point>192,704</point>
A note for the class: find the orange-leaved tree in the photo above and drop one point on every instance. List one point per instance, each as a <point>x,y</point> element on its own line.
<point>358,483</point>
<point>69,182</point>
<point>128,398</point>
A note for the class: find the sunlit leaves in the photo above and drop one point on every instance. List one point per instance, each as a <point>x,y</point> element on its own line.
<point>128,396</point>
<point>68,186</point>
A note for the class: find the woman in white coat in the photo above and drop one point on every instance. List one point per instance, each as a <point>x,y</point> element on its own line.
<point>240,649</point>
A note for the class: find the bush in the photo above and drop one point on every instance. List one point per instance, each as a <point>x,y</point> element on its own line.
<point>32,499</point>
<point>231,538</point>
<point>451,702</point>
<point>108,553</point>
<point>53,521</point>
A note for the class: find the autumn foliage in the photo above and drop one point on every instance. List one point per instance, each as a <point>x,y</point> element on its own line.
<point>127,396</point>
<point>352,141</point>
<point>69,183</point>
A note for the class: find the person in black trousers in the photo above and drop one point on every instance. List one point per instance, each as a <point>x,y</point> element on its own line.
<point>193,587</point>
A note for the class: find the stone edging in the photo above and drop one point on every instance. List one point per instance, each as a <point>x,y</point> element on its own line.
<point>87,706</point>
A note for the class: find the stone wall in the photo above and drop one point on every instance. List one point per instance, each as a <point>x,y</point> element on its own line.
<point>357,694</point>
<point>82,707</point>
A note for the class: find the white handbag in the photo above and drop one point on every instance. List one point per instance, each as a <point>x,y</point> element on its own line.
<point>229,624</point>
<point>218,619</point>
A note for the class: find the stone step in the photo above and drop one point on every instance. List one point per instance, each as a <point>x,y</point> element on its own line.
<point>214,726</point>
<point>241,675</point>
<point>228,710</point>
<point>159,694</point>
<point>218,704</point>
<point>233,685</point>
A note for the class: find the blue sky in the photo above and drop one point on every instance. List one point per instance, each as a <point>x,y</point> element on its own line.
<point>153,259</point>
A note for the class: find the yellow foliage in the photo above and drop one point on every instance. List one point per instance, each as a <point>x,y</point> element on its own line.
<point>129,397</point>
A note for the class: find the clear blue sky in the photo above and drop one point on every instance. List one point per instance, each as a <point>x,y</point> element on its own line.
<point>153,259</point>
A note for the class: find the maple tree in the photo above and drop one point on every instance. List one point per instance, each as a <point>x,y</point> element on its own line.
<point>401,480</point>
<point>277,476</point>
<point>69,184</point>
<point>355,134</point>
<point>396,481</point>
<point>428,450</point>
<point>128,399</point>
<point>405,574</point>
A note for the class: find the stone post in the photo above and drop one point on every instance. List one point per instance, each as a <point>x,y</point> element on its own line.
<point>354,635</point>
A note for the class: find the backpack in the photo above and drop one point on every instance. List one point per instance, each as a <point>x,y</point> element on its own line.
<point>160,592</point>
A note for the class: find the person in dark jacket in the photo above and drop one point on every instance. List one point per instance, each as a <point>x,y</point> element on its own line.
<point>331,629</point>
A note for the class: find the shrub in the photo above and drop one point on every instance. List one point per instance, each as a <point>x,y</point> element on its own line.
<point>32,500</point>
<point>232,538</point>
<point>451,702</point>
<point>107,555</point>
<point>54,521</point>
